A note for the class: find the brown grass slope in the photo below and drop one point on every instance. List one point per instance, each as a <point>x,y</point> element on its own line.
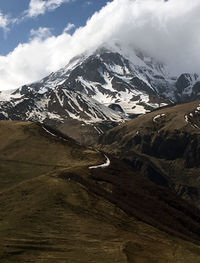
<point>27,151</point>
<point>167,149</point>
<point>54,209</point>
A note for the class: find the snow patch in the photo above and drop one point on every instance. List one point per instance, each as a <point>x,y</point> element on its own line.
<point>155,119</point>
<point>100,132</point>
<point>48,131</point>
<point>104,165</point>
<point>52,134</point>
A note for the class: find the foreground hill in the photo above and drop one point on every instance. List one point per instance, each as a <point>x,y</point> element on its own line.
<point>29,149</point>
<point>53,208</point>
<point>163,145</point>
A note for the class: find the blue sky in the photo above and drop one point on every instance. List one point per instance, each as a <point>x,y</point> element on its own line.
<point>75,12</point>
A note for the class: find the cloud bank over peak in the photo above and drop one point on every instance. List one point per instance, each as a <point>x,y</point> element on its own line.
<point>168,31</point>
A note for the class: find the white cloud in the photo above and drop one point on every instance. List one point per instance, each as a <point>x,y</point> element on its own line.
<point>4,21</point>
<point>169,31</point>
<point>40,7</point>
<point>68,27</point>
<point>41,33</point>
<point>36,8</point>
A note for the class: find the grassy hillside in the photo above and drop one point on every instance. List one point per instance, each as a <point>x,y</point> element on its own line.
<point>54,209</point>
<point>48,220</point>
<point>27,151</point>
<point>173,120</point>
<point>164,143</point>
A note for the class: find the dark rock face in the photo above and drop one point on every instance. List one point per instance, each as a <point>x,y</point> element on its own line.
<point>118,84</point>
<point>183,82</point>
<point>196,91</point>
<point>88,70</point>
<point>141,85</point>
<point>3,117</point>
<point>116,107</point>
<point>186,88</point>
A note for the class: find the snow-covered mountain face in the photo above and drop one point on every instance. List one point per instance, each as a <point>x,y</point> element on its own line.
<point>103,86</point>
<point>57,104</point>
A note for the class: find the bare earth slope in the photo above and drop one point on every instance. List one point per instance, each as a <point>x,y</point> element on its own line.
<point>54,209</point>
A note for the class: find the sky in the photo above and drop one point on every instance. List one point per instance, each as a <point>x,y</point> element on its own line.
<point>38,37</point>
<point>24,16</point>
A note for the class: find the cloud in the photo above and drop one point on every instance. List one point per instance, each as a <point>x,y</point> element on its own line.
<point>4,21</point>
<point>36,8</point>
<point>41,33</point>
<point>168,31</point>
<point>68,27</point>
<point>40,7</point>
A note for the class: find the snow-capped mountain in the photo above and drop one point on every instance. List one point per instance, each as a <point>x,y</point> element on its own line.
<point>104,85</point>
<point>57,104</point>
